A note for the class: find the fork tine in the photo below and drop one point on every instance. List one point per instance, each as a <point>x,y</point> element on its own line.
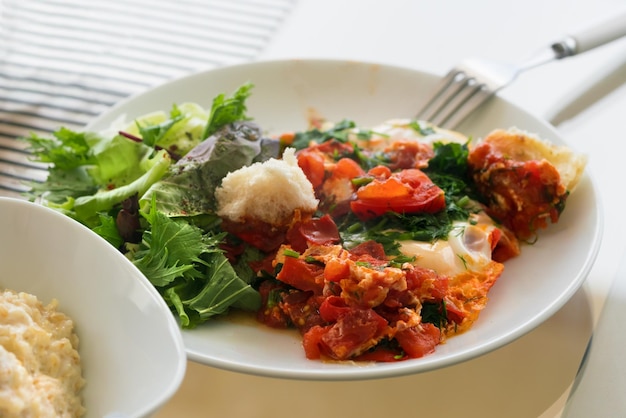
<point>441,94</point>
<point>477,99</point>
<point>455,97</point>
<point>461,102</point>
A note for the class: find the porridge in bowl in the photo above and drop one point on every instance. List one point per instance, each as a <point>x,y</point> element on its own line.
<point>40,369</point>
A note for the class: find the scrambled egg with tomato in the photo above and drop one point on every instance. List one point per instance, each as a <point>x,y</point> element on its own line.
<point>411,230</point>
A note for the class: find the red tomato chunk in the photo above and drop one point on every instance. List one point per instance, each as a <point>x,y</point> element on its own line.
<point>408,191</point>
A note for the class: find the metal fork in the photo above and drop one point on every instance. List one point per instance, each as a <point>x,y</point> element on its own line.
<point>469,85</point>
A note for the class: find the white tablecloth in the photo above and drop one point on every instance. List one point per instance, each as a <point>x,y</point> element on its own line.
<point>535,376</point>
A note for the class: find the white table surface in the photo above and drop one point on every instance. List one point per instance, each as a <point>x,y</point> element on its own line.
<point>535,376</point>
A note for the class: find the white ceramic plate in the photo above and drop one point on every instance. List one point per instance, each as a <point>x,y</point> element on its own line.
<point>131,348</point>
<point>533,287</point>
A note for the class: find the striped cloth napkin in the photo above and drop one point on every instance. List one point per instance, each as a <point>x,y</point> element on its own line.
<point>62,62</point>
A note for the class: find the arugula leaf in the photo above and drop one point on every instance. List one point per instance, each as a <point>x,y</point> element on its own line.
<point>62,186</point>
<point>222,290</point>
<point>108,230</point>
<point>82,163</point>
<point>225,110</point>
<point>66,150</point>
<point>242,265</point>
<point>169,250</point>
<point>189,269</point>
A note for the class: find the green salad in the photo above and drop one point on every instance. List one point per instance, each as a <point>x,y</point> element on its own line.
<point>147,188</point>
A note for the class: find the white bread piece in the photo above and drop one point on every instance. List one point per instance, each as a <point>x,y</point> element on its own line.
<point>523,146</point>
<point>269,192</point>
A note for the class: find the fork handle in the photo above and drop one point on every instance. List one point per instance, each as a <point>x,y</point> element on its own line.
<point>591,37</point>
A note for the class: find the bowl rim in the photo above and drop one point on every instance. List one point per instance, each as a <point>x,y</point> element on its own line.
<point>173,329</point>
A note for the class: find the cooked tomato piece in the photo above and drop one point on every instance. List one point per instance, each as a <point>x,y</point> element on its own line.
<point>303,309</point>
<point>453,313</point>
<point>337,191</point>
<point>332,308</point>
<point>370,248</point>
<point>419,341</point>
<point>369,252</point>
<point>320,231</point>
<point>409,154</point>
<point>334,148</point>
<point>506,246</point>
<point>263,265</point>
<point>427,283</point>
<point>523,195</point>
<point>409,191</point>
<point>336,269</point>
<point>302,275</point>
<point>286,138</point>
<point>271,313</point>
<point>312,164</point>
<point>390,188</point>
<point>380,172</point>
<point>256,233</point>
<point>354,332</point>
<point>312,341</point>
<point>347,168</point>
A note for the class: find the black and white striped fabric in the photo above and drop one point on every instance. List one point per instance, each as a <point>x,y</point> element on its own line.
<point>62,62</point>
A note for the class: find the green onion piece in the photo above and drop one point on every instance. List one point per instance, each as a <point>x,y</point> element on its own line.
<point>291,253</point>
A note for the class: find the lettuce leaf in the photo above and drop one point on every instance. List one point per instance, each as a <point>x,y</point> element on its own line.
<point>88,207</point>
<point>178,132</point>
<point>118,161</point>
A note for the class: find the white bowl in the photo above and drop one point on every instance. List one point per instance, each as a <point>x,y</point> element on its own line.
<point>286,93</point>
<point>130,345</point>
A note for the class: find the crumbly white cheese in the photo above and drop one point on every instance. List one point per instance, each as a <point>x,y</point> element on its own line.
<point>40,370</point>
<point>269,192</point>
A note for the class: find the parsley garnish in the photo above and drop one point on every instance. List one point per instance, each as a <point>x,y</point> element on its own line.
<point>339,132</point>
<point>416,126</point>
<point>435,313</point>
